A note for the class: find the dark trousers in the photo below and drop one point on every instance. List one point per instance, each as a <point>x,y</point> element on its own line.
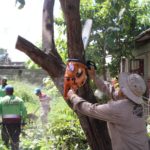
<point>10,134</point>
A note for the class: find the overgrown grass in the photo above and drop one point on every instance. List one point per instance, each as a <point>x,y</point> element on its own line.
<point>63,132</point>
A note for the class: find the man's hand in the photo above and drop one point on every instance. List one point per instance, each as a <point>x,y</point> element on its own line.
<point>70,93</point>
<point>91,72</point>
<point>91,69</point>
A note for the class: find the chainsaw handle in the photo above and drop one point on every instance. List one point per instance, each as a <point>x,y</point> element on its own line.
<point>90,63</point>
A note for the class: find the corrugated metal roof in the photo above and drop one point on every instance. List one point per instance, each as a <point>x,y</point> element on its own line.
<point>143,38</point>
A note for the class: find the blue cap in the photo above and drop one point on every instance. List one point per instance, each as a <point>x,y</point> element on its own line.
<point>9,88</point>
<point>37,90</point>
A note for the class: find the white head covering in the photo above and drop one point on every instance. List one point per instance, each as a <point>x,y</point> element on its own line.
<point>132,86</point>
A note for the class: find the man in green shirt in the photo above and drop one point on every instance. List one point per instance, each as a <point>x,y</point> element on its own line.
<point>2,86</point>
<point>13,112</point>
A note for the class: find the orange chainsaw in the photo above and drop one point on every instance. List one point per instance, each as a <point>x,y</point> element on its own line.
<point>75,75</point>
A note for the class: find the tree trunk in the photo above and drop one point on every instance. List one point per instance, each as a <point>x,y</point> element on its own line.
<point>74,39</point>
<point>95,130</point>
<point>97,138</point>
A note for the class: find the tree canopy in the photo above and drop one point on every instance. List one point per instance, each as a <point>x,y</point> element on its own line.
<point>115,25</point>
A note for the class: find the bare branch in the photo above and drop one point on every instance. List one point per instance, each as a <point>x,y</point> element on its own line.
<point>40,58</point>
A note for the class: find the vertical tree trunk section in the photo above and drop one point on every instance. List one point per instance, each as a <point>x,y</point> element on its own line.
<point>74,38</point>
<point>95,130</point>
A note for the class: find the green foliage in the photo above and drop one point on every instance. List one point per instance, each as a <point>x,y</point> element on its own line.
<point>61,41</point>
<point>31,65</point>
<point>63,132</point>
<point>23,90</point>
<point>68,137</point>
<point>115,64</point>
<point>2,146</point>
<point>115,24</point>
<point>49,87</point>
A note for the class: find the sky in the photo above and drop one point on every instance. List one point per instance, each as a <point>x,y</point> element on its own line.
<point>26,22</point>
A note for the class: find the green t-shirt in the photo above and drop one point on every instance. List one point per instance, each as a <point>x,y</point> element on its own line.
<point>13,105</point>
<point>2,91</point>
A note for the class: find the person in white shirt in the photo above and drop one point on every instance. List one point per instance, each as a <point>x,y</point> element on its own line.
<point>44,104</point>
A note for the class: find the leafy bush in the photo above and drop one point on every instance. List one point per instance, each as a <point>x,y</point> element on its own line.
<point>24,90</point>
<point>65,130</point>
<point>31,65</point>
<point>62,133</point>
<point>68,136</point>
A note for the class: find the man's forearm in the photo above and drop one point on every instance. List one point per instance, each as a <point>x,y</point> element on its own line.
<point>102,86</point>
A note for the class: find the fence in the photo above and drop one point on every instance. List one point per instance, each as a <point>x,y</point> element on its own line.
<point>32,76</point>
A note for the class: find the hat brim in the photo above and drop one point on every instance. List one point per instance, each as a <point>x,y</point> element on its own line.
<point>123,83</point>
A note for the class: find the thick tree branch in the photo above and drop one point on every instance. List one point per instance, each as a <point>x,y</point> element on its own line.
<point>51,63</point>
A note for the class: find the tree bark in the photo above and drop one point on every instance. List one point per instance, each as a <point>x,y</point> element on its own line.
<point>95,130</point>
<point>97,138</point>
<point>47,27</point>
<point>50,63</point>
<point>74,38</point>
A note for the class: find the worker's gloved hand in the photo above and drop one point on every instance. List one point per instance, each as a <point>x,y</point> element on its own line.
<point>91,73</point>
<point>75,76</point>
<point>70,93</point>
<point>91,69</point>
